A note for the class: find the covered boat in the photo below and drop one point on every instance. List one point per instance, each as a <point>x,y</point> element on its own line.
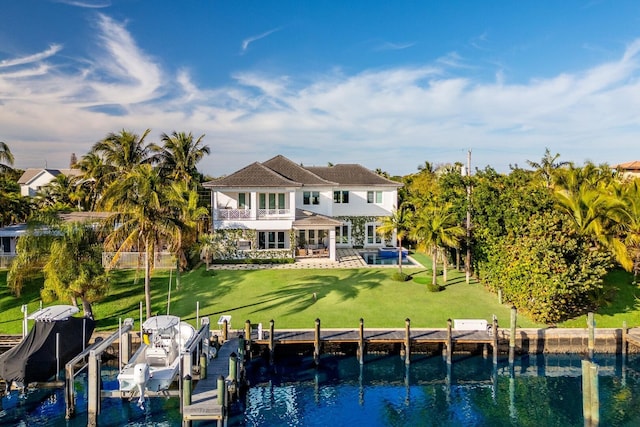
<point>40,354</point>
<point>156,363</point>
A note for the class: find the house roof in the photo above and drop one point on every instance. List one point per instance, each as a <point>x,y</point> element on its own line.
<point>629,166</point>
<point>307,219</point>
<point>279,171</point>
<point>352,174</point>
<point>31,173</point>
<point>295,172</point>
<point>254,175</point>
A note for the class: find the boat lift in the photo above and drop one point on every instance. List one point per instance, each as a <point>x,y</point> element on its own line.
<point>193,364</point>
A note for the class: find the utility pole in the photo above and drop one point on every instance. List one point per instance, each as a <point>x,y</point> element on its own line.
<point>467,264</point>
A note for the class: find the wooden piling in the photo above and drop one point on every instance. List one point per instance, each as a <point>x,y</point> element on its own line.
<point>361,342</point>
<point>225,330</point>
<point>316,343</point>
<point>586,393</point>
<point>407,341</point>
<point>625,344</point>
<point>187,389</point>
<point>233,367</point>
<point>93,392</point>
<point>512,335</point>
<point>247,337</point>
<point>595,394</point>
<point>494,329</point>
<point>221,391</point>
<point>203,366</point>
<point>449,342</point>
<point>271,340</point>
<point>591,324</point>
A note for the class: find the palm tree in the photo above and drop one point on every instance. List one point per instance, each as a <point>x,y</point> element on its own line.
<point>436,228</point>
<point>594,212</point>
<point>6,157</point>
<point>70,257</point>
<point>147,212</point>
<point>399,223</point>
<point>547,166</point>
<point>179,156</point>
<point>631,198</point>
<point>121,152</point>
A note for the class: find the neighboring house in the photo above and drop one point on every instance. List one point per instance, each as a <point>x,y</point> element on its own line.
<point>32,180</point>
<point>267,210</point>
<point>629,169</point>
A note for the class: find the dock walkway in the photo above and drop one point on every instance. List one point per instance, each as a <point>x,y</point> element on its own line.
<point>204,400</point>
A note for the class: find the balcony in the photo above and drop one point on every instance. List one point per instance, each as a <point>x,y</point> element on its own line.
<point>248,214</point>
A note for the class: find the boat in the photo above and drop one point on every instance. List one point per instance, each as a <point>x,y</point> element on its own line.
<point>390,252</point>
<point>155,365</point>
<point>55,339</point>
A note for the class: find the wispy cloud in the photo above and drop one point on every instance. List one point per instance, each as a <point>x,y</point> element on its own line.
<point>394,46</point>
<point>246,42</point>
<point>53,49</point>
<point>98,4</point>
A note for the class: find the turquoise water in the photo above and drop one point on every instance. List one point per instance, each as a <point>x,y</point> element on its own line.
<point>538,391</point>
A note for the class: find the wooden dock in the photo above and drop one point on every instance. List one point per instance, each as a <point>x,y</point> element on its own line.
<point>204,399</point>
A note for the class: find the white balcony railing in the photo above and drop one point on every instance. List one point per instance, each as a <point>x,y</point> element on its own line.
<point>246,214</point>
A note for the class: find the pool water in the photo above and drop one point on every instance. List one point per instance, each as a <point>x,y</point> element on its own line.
<point>373,258</point>
<point>537,391</point>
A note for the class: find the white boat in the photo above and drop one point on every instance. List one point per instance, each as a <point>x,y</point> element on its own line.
<point>156,363</point>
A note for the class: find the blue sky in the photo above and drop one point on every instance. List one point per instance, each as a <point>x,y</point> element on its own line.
<point>385,84</point>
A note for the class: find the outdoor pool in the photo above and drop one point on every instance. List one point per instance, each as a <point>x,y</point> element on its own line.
<point>374,258</point>
<point>538,391</point>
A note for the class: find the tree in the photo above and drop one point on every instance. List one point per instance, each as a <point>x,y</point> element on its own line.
<point>179,155</point>
<point>547,166</point>
<point>147,210</point>
<point>121,152</point>
<point>436,227</point>
<point>5,157</point>
<point>70,257</point>
<point>631,228</point>
<point>399,223</point>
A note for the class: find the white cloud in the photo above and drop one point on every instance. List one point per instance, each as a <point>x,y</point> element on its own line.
<point>246,42</point>
<point>392,119</point>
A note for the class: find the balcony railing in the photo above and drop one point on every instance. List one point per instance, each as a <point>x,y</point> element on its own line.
<point>246,214</point>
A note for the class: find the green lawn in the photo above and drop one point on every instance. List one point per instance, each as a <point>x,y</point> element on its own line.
<point>342,297</point>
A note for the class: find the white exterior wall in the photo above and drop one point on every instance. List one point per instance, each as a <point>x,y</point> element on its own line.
<point>326,201</point>
<point>358,205</point>
<point>31,188</point>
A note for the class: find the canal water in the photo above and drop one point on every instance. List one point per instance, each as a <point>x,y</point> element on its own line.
<point>535,391</point>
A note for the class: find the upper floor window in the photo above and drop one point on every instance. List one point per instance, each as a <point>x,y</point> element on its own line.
<point>374,196</point>
<point>341,196</point>
<point>243,201</point>
<point>311,198</point>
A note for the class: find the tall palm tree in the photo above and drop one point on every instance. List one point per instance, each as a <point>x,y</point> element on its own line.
<point>631,199</point>
<point>121,152</point>
<point>437,228</point>
<point>147,211</point>
<point>179,155</point>
<point>548,166</point>
<point>594,212</point>
<point>399,223</point>
<point>5,157</point>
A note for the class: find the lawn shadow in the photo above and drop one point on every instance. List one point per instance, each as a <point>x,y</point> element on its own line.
<point>303,295</point>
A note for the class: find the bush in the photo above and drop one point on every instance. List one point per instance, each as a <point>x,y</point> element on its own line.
<point>400,277</point>
<point>254,261</point>
<point>434,288</point>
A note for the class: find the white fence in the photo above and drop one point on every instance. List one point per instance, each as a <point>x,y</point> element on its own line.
<point>128,260</point>
<point>5,260</point>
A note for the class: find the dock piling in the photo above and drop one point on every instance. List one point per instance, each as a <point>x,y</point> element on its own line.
<point>361,342</point>
<point>271,340</point>
<point>591,323</point>
<point>512,335</point>
<point>407,341</point>
<point>449,342</point>
<point>316,343</point>
<point>225,330</point>
<point>494,329</point>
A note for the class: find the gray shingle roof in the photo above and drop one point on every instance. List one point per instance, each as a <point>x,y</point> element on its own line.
<point>352,174</point>
<point>305,219</point>
<point>254,175</point>
<point>295,172</point>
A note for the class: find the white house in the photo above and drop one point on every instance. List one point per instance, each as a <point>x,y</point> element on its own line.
<point>32,180</point>
<point>269,209</point>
